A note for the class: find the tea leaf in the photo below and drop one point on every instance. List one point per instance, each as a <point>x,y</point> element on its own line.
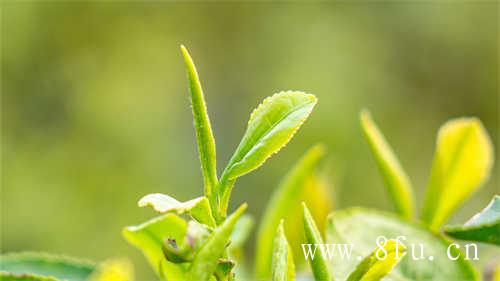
<point>149,238</point>
<point>4,276</point>
<point>397,182</point>
<point>482,227</point>
<point>318,265</point>
<point>198,208</point>
<point>204,136</point>
<point>379,263</point>
<point>285,198</point>
<point>271,125</point>
<point>362,227</point>
<point>38,265</point>
<point>282,262</point>
<point>206,260</point>
<point>462,163</point>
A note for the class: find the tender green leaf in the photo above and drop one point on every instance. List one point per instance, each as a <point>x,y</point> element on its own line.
<point>240,235</point>
<point>361,227</point>
<point>198,208</point>
<point>397,182</point>
<point>285,199</point>
<point>114,270</point>
<point>271,125</point>
<point>379,263</point>
<point>482,227</point>
<point>282,262</point>
<point>46,265</point>
<point>4,276</point>
<point>149,238</point>
<point>462,163</point>
<point>206,260</point>
<point>318,265</point>
<point>206,141</point>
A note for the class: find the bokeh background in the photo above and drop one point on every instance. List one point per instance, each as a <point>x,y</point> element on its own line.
<point>95,111</point>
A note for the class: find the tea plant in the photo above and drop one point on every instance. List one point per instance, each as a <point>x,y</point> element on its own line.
<point>198,240</point>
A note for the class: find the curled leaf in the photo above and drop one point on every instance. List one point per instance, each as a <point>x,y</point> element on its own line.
<point>198,208</point>
<point>482,227</point>
<point>379,263</point>
<point>319,264</point>
<point>462,163</point>
<point>396,180</point>
<point>205,262</point>
<point>282,262</point>
<point>149,238</point>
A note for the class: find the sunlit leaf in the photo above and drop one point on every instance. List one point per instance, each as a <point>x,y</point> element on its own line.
<point>4,276</point>
<point>282,261</point>
<point>462,163</point>
<point>198,208</point>
<point>379,263</point>
<point>204,136</point>
<point>46,265</point>
<point>149,238</point>
<point>319,265</point>
<point>284,202</point>
<point>362,227</point>
<point>271,126</point>
<point>397,182</point>
<point>482,227</point>
<point>205,262</point>
<point>114,270</point>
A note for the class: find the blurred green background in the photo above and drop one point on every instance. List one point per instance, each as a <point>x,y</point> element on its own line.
<point>95,109</point>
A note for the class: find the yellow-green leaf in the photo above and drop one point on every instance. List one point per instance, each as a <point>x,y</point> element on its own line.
<point>462,163</point>
<point>285,199</point>
<point>379,263</point>
<point>482,227</point>
<point>319,264</point>
<point>204,136</point>
<point>396,180</point>
<point>282,262</point>
<point>206,260</point>
<point>149,238</point>
<point>198,208</point>
<point>272,124</point>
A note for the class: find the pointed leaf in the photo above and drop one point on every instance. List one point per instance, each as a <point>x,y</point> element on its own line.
<point>462,163</point>
<point>482,227</point>
<point>272,124</point>
<point>198,208</point>
<point>395,178</point>
<point>318,265</point>
<point>46,265</point>
<point>206,260</point>
<point>149,238</point>
<point>282,262</point>
<point>204,136</point>
<point>361,228</point>
<point>379,263</point>
<point>285,199</point>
